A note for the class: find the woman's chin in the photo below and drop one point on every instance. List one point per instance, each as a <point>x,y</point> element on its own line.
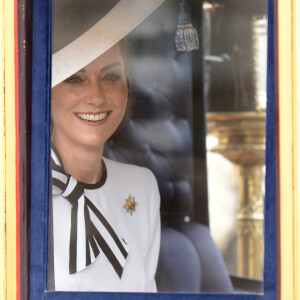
<point>92,143</point>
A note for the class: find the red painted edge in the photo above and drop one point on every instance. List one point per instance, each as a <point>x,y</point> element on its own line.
<point>17,148</point>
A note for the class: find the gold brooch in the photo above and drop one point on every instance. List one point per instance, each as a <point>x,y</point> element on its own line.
<point>130,204</point>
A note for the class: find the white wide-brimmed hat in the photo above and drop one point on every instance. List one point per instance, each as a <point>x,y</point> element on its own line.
<point>85,29</point>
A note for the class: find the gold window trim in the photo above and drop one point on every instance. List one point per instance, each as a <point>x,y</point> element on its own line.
<point>8,220</point>
<point>289,137</point>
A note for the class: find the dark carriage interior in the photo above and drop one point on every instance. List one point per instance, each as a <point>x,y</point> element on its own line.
<point>165,131</point>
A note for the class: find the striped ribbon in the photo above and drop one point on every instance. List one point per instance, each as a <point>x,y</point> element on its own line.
<point>90,230</point>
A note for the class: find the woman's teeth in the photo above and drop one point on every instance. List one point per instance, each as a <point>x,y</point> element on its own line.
<point>92,117</point>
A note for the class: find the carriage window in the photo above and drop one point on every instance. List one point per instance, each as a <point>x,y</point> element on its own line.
<point>176,107</point>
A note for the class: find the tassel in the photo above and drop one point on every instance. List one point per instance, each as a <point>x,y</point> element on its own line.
<point>186,36</point>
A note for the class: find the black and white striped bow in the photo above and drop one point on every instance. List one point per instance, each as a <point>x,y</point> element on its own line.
<point>90,231</point>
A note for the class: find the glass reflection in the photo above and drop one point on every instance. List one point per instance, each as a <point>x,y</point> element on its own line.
<point>235,91</point>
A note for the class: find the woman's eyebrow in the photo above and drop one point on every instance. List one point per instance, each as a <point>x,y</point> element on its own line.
<point>110,66</point>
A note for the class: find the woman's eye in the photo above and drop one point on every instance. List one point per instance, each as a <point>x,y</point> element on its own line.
<point>112,77</point>
<point>74,79</point>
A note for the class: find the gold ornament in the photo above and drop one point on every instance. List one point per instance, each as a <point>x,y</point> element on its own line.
<point>130,204</point>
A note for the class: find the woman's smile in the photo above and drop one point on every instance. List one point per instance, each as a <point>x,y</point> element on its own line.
<point>92,117</point>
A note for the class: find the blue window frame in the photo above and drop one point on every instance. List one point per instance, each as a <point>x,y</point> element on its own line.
<point>40,169</point>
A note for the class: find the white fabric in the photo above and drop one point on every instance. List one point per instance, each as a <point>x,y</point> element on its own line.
<point>59,176</point>
<point>141,231</point>
<point>70,187</point>
<point>81,238</point>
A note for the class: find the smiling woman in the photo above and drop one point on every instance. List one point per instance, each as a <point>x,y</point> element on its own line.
<point>105,223</point>
<point>86,110</point>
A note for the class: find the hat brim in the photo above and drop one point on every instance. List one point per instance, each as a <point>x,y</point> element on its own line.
<point>114,26</point>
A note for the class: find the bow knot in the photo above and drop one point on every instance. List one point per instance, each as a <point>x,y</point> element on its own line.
<point>73,190</point>
<point>90,231</point>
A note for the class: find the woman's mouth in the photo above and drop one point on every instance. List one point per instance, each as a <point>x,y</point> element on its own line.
<point>93,117</point>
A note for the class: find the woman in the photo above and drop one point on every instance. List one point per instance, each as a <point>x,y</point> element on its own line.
<point>106,225</point>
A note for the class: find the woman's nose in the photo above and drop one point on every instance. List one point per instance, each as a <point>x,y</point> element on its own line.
<point>96,95</point>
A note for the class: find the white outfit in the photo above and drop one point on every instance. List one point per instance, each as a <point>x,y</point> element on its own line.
<point>140,230</point>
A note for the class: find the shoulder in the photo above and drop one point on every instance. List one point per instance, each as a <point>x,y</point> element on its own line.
<point>124,170</point>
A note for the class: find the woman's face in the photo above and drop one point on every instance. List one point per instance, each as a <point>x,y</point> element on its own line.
<point>88,106</point>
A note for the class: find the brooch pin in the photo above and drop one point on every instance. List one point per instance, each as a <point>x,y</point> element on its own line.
<point>130,204</point>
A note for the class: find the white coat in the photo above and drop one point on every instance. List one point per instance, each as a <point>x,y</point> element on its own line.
<point>140,229</point>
